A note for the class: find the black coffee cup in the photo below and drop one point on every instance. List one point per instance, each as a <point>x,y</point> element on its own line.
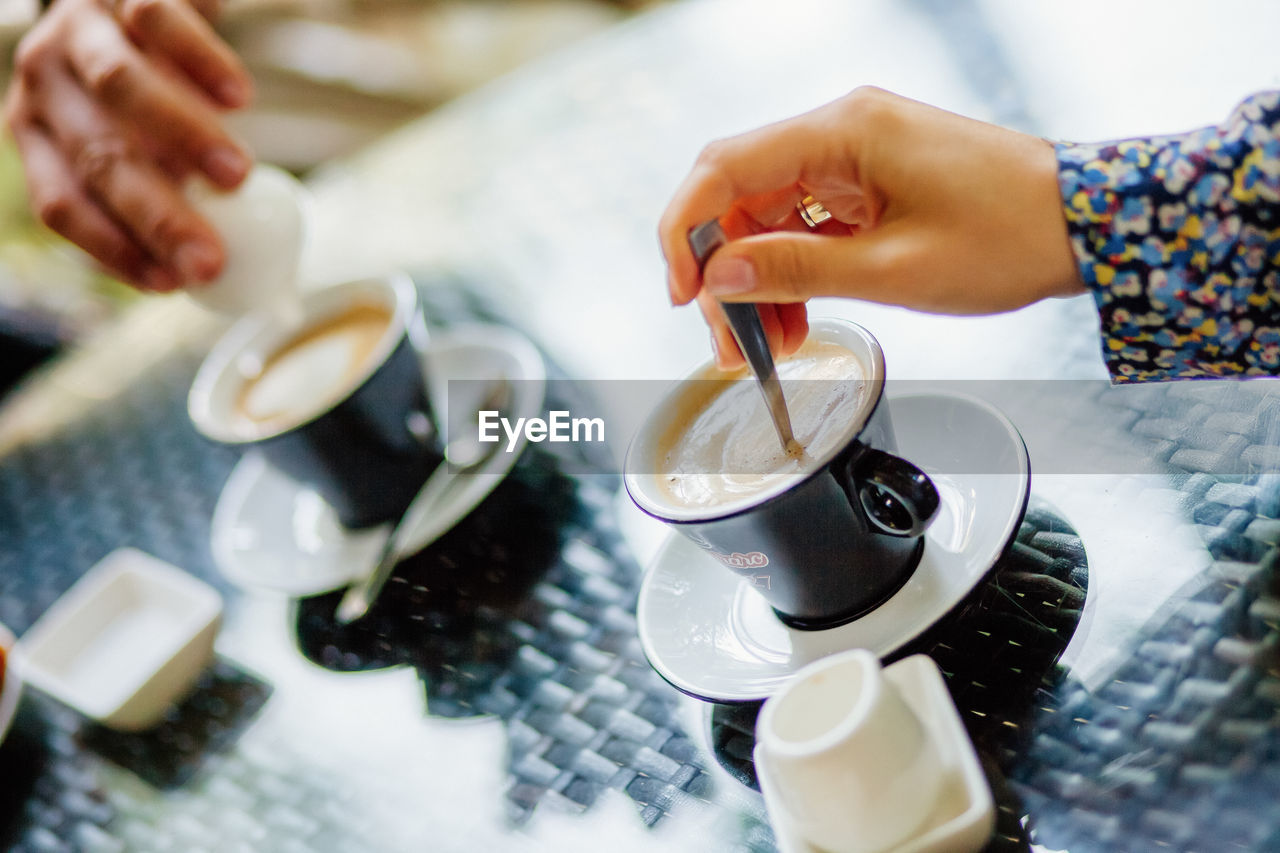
<point>823,546</point>
<point>366,444</point>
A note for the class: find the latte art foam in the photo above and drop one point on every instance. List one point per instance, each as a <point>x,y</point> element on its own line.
<point>723,446</point>
<point>314,369</point>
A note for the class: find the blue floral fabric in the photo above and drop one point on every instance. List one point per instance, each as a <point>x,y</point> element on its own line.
<point>1178,238</point>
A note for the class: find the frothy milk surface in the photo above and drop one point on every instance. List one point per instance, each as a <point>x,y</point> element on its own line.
<point>722,445</point>
<point>315,368</point>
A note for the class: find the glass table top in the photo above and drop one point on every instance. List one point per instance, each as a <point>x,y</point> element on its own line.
<point>519,713</point>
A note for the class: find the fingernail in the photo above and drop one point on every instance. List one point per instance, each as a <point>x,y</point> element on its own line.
<point>233,93</point>
<point>731,275</point>
<point>196,261</point>
<point>226,166</point>
<point>715,348</point>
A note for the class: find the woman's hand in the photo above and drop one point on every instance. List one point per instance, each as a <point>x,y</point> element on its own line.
<point>930,210</point>
<point>114,103</point>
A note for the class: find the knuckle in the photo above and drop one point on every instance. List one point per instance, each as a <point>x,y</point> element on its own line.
<point>14,114</point>
<point>886,263</point>
<point>867,94</point>
<point>142,14</point>
<point>870,103</point>
<point>30,56</point>
<point>56,212</point>
<point>714,165</point>
<point>165,228</point>
<point>893,265</point>
<point>786,268</point>
<point>671,241</point>
<point>713,155</point>
<point>665,224</point>
<point>96,160</point>
<point>111,79</point>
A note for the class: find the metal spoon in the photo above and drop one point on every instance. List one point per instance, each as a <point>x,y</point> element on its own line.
<point>744,322</point>
<point>462,455</point>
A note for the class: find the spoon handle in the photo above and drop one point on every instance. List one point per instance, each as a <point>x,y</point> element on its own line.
<point>360,597</point>
<point>748,331</point>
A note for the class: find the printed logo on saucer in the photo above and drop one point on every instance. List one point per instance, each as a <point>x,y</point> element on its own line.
<point>736,560</point>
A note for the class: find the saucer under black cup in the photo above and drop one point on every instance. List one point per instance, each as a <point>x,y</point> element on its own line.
<point>271,532</point>
<point>824,546</point>
<point>713,636</point>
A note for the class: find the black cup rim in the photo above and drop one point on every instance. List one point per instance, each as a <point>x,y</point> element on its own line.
<point>875,382</point>
<point>248,332</point>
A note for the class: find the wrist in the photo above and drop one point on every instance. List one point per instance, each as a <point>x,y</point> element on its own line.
<point>1055,256</point>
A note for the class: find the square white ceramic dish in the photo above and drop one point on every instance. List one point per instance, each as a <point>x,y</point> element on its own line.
<point>128,640</point>
<point>964,816</point>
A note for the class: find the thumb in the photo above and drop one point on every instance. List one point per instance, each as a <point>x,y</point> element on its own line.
<point>787,266</point>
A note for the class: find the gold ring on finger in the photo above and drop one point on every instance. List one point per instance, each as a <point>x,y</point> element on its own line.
<point>812,211</point>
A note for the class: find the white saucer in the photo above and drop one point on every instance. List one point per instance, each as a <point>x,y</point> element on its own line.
<point>269,532</point>
<point>713,636</point>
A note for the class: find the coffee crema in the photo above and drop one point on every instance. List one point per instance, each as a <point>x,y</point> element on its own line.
<point>721,445</point>
<point>313,369</point>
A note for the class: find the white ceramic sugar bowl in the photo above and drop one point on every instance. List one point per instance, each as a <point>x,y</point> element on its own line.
<point>855,758</point>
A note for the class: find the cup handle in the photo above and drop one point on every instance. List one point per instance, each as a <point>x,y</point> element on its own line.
<point>899,499</point>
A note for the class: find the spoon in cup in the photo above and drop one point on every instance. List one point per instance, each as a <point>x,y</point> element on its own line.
<point>744,322</point>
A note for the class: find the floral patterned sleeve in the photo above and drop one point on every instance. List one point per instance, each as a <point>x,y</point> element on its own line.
<point>1178,238</point>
